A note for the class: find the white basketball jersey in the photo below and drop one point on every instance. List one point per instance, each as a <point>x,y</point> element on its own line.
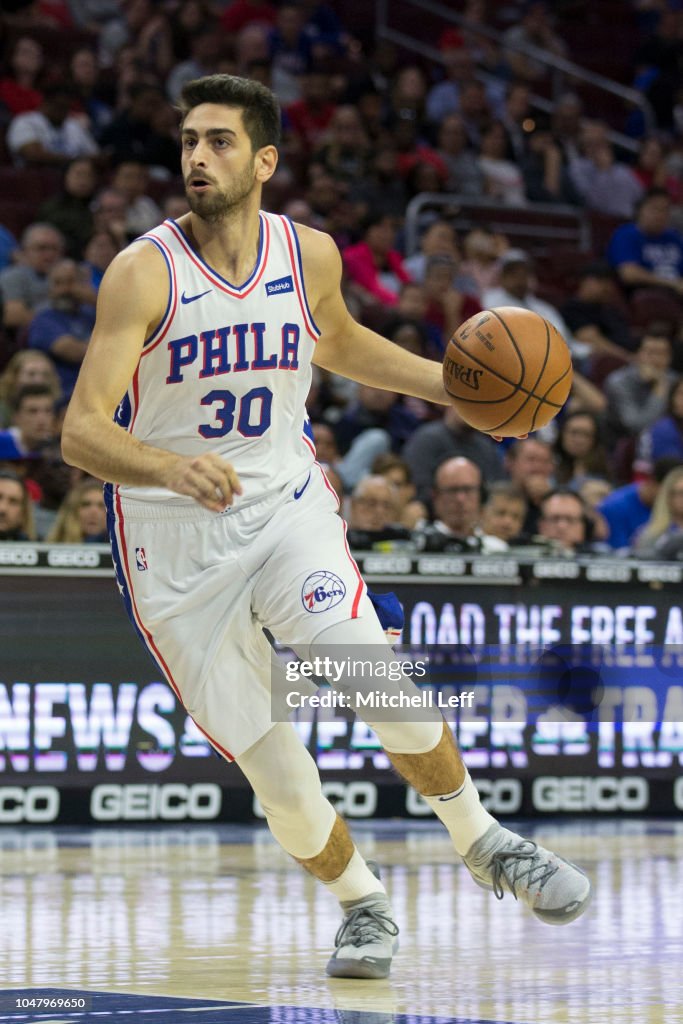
<point>228,369</point>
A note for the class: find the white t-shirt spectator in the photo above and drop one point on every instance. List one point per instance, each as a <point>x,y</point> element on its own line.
<point>70,139</point>
<point>504,181</point>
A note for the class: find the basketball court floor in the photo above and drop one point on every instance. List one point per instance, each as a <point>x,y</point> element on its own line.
<point>217,926</point>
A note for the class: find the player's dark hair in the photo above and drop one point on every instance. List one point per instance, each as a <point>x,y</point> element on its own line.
<point>260,109</point>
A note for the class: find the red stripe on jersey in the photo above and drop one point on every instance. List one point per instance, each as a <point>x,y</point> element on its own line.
<point>329,485</point>
<point>214,743</point>
<point>361,586</point>
<point>308,441</point>
<point>174,299</point>
<point>212,276</point>
<point>299,285</point>
<point>136,398</point>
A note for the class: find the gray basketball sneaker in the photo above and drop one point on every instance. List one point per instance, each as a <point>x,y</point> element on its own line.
<point>366,940</point>
<point>555,889</point>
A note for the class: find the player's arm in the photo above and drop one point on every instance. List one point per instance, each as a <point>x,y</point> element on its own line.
<point>130,304</point>
<point>347,348</point>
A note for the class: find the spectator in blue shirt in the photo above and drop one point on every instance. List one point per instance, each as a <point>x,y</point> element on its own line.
<point>63,327</point>
<point>648,252</point>
<point>665,436</point>
<point>628,508</point>
<point>33,424</point>
<point>8,245</point>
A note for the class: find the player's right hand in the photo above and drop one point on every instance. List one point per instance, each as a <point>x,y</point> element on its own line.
<point>209,479</point>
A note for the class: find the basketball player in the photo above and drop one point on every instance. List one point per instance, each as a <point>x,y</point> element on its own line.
<point>222,522</point>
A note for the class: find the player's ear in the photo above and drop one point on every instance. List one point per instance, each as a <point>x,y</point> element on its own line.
<point>265,163</point>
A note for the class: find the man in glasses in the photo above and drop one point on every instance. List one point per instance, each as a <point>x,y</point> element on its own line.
<point>457,495</point>
<point>564,521</point>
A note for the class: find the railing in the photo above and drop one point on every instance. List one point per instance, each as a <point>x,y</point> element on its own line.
<point>554,222</point>
<point>560,68</point>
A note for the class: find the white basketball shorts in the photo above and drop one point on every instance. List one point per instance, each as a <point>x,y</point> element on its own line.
<point>200,587</point>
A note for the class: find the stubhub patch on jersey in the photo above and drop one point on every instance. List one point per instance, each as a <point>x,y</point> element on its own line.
<point>321,591</point>
<point>283,284</point>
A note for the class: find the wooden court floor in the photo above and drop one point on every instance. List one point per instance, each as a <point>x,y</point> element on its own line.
<point>216,924</point>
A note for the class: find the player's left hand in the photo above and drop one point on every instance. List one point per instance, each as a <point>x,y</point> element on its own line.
<point>520,437</point>
<point>209,479</point>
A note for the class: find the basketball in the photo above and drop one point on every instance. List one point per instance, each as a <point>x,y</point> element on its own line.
<point>508,371</point>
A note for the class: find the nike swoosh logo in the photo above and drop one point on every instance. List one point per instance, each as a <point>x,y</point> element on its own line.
<point>193,298</point>
<point>297,494</point>
<point>444,799</point>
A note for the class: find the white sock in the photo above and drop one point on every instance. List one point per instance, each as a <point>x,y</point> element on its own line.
<point>462,814</point>
<point>355,882</point>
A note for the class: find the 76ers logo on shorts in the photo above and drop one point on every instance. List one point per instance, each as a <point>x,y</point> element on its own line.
<point>322,591</point>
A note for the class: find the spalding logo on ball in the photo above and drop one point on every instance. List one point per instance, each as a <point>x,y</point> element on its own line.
<point>508,371</point>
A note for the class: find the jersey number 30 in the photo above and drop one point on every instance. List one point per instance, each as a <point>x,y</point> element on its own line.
<point>253,418</point>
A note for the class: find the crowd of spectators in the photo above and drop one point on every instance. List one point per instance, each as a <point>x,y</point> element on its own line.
<point>87,93</point>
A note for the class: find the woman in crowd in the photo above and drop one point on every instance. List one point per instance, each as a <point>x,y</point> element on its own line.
<point>20,84</point>
<point>579,453</point>
<point>503,178</point>
<point>662,535</point>
<point>82,517</point>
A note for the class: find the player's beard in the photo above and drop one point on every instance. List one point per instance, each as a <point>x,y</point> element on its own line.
<point>214,206</point>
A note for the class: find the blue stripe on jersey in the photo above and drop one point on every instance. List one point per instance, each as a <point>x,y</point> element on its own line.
<point>122,416</point>
<point>118,568</point>
<point>235,287</point>
<point>116,557</point>
<point>170,292</point>
<point>301,274</point>
<point>308,431</point>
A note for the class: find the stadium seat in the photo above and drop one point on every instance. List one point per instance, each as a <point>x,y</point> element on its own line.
<point>16,214</point>
<point>602,366</point>
<point>29,184</point>
<point>655,305</point>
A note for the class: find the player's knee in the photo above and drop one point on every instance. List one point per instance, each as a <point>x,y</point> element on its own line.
<point>301,820</point>
<point>290,799</point>
<point>409,737</point>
